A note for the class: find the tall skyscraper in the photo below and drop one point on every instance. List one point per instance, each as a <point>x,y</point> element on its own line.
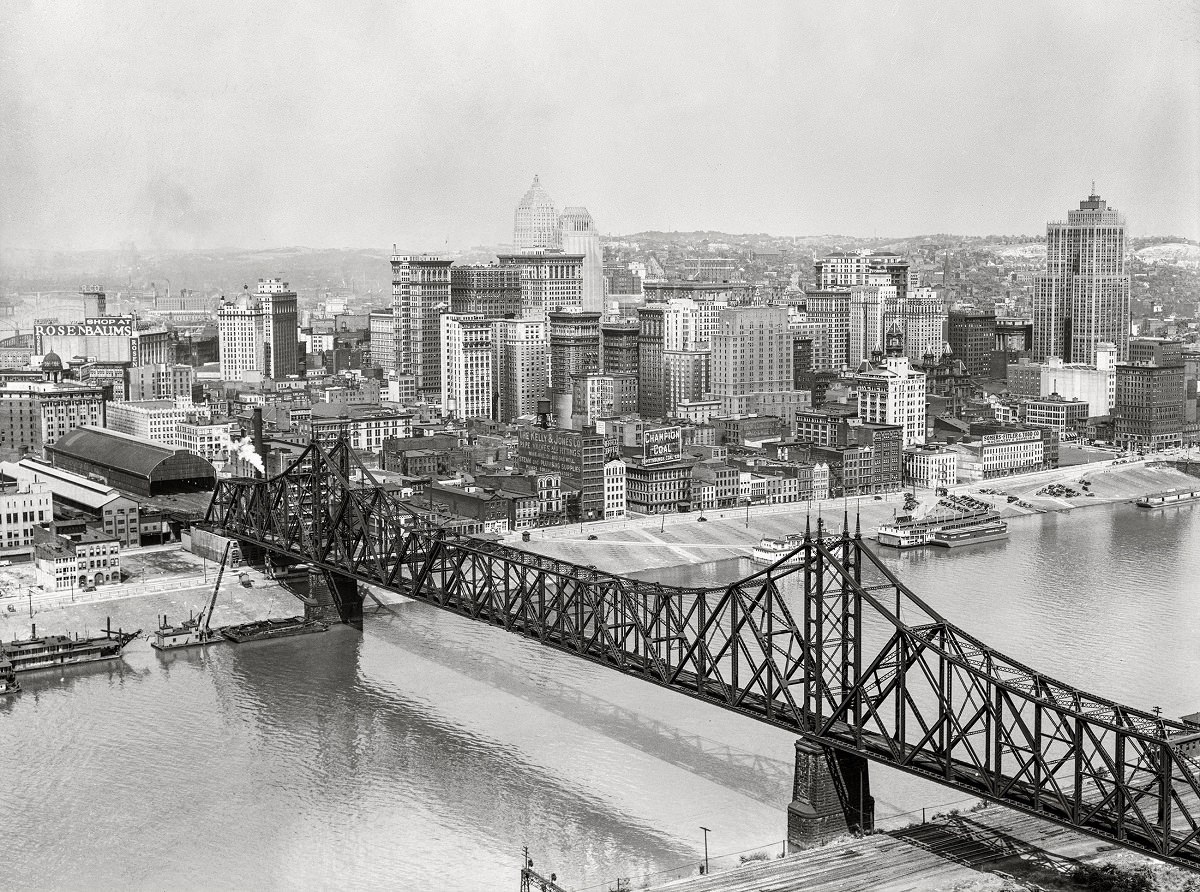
<point>520,365</point>
<point>1083,298</point>
<point>751,351</point>
<point>257,332</point>
<point>240,336</point>
<point>574,352</point>
<point>1149,411</point>
<point>536,221</point>
<point>279,327</point>
<point>868,310</point>
<point>550,280</point>
<point>493,291</point>
<point>466,373</point>
<point>831,307</point>
<point>619,346</point>
<point>651,391</point>
<point>972,338</point>
<point>890,391</point>
<point>578,235</point>
<point>922,319</point>
<point>420,294</point>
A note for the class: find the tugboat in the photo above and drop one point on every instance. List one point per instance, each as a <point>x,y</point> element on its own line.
<point>8,677</point>
<point>194,631</point>
<point>61,650</point>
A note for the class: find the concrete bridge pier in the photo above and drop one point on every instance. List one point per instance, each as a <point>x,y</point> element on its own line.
<point>333,598</point>
<point>817,814</point>
<point>252,555</point>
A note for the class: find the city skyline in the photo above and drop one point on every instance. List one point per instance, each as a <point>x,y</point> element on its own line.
<point>193,129</point>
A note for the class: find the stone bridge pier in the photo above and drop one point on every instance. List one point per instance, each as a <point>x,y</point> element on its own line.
<point>818,813</point>
<point>333,598</point>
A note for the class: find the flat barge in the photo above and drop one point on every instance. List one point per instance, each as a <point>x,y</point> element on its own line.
<point>49,651</point>
<point>991,531</point>
<point>1169,498</point>
<point>266,629</point>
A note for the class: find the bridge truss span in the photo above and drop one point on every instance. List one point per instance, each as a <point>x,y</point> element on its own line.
<point>828,644</point>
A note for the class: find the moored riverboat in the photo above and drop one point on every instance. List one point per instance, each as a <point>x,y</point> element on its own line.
<point>769,551</point>
<point>912,532</point>
<point>1169,498</point>
<point>48,651</point>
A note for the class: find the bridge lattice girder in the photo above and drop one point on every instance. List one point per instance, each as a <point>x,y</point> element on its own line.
<point>847,656</point>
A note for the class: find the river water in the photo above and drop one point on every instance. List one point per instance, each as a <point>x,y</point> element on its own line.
<point>425,752</point>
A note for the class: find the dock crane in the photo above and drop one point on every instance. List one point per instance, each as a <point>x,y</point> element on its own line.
<point>195,631</point>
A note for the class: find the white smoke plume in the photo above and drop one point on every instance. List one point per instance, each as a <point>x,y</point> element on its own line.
<point>244,449</point>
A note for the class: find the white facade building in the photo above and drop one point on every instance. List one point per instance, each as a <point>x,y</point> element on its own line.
<point>869,305</point>
<point>240,337</point>
<point>1095,385</point>
<point>21,509</point>
<point>614,490</point>
<point>893,393</point>
<point>467,377</point>
<point>535,224</point>
<point>930,466</point>
<point>820,480</point>
<point>578,235</point>
<point>922,318</point>
<point>153,420</point>
<point>209,441</point>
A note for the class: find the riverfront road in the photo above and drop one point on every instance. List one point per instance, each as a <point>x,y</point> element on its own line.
<point>979,849</point>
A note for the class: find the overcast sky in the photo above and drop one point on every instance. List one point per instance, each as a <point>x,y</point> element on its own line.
<point>362,124</point>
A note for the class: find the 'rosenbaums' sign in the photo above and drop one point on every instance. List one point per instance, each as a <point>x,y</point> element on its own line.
<point>100,326</point>
<point>662,445</point>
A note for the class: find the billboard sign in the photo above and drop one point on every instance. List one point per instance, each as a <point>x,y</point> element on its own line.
<point>97,327</point>
<point>662,446</point>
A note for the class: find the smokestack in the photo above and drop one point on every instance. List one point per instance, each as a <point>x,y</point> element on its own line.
<point>256,426</point>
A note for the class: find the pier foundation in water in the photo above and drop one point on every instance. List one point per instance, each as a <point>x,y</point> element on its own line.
<point>333,598</point>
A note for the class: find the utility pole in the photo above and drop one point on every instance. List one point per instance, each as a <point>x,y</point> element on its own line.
<point>706,832</point>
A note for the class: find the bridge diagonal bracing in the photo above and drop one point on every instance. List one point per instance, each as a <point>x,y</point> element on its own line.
<point>829,645</point>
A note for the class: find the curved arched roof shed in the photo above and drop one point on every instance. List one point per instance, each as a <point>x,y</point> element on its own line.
<point>130,463</point>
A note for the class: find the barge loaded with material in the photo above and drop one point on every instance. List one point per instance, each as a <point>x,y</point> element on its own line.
<point>48,651</point>
<point>265,629</point>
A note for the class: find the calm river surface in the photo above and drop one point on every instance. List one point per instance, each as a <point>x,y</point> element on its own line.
<point>427,751</point>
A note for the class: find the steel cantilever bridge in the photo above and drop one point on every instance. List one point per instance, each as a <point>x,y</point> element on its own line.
<point>849,659</point>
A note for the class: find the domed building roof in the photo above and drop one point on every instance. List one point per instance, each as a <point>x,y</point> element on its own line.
<point>246,300</point>
<point>52,362</point>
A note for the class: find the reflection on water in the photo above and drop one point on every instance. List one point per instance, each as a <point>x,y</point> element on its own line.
<point>429,749</point>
